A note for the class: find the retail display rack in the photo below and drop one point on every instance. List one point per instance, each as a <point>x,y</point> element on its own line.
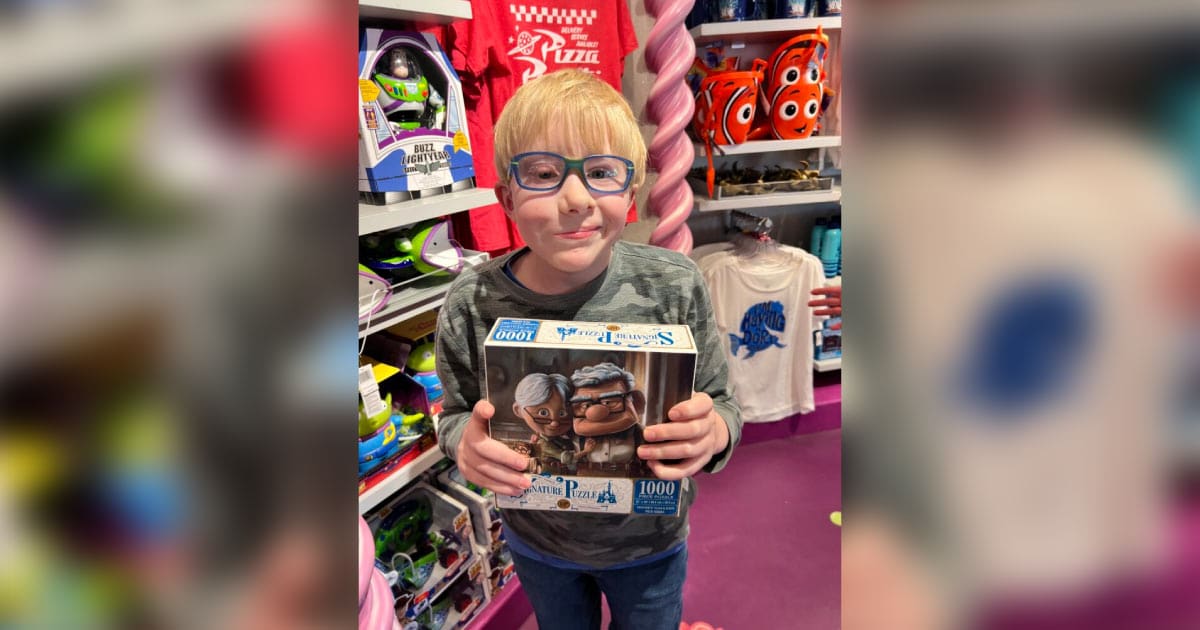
<point>759,36</point>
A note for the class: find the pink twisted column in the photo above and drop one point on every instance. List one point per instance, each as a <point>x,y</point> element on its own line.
<point>669,53</point>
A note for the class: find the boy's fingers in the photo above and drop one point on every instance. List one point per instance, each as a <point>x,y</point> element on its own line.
<point>827,291</point>
<point>825,302</point>
<point>674,431</point>
<point>671,450</point>
<point>496,452</point>
<point>498,474</point>
<point>483,411</point>
<point>678,470</point>
<point>697,406</point>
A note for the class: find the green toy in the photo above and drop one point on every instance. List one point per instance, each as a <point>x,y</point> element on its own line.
<point>426,247</point>
<point>370,424</point>
<point>408,101</point>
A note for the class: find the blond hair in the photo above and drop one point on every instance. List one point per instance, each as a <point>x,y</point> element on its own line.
<point>583,108</point>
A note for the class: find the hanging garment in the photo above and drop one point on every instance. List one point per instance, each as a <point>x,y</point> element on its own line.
<point>505,45</point>
<point>761,307</point>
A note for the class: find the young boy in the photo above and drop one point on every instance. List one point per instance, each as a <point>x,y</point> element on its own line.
<point>571,158</point>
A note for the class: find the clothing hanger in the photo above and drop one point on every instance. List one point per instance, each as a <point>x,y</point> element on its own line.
<point>751,235</point>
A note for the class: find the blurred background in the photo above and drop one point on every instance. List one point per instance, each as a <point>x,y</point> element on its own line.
<point>1022,264</point>
<point>175,330</point>
<point>1022,433</point>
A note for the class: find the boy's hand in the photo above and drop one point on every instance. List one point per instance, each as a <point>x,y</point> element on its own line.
<point>487,462</point>
<point>692,435</point>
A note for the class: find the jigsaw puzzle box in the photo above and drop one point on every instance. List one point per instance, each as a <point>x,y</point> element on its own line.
<point>576,397</point>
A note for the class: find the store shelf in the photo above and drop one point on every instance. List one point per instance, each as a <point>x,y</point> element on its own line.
<point>772,146</point>
<point>761,30</point>
<point>427,11</point>
<point>403,476</point>
<point>509,609</point>
<point>373,218</point>
<point>421,295</point>
<point>744,202</point>
<point>827,365</point>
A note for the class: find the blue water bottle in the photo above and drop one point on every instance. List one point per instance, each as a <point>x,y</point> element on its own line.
<point>727,10</point>
<point>818,233</point>
<point>787,9</point>
<point>831,248</point>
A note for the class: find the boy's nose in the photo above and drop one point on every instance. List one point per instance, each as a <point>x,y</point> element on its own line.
<point>575,196</point>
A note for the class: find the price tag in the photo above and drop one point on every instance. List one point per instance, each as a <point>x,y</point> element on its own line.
<point>368,388</point>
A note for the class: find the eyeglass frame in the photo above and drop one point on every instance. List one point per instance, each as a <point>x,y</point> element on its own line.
<point>572,165</point>
<point>602,399</point>
<point>536,420</point>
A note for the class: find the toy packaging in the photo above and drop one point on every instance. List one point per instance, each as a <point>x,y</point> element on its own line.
<point>422,544</point>
<point>828,342</point>
<point>576,397</point>
<point>411,119</point>
<point>484,515</point>
<point>394,424</point>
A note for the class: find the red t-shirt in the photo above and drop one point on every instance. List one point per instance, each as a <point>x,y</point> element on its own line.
<point>506,44</point>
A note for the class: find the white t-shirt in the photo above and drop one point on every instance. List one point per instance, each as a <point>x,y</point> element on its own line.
<point>761,307</point>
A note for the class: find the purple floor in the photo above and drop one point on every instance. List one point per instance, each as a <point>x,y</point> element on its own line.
<point>763,553</point>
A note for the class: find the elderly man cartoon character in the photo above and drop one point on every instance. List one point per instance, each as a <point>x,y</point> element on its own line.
<point>607,410</point>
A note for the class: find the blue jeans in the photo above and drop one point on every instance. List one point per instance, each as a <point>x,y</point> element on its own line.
<point>644,597</point>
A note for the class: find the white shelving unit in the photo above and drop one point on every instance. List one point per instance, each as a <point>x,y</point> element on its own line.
<point>771,146</point>
<point>428,292</point>
<point>761,30</point>
<point>773,200</point>
<point>377,218</point>
<point>827,365</point>
<point>421,295</point>
<point>427,11</point>
<point>763,34</point>
<point>402,476</point>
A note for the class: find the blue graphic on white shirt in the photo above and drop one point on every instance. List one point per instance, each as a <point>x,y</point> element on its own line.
<point>757,324</point>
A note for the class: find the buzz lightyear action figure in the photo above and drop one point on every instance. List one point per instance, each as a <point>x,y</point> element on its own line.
<point>407,98</point>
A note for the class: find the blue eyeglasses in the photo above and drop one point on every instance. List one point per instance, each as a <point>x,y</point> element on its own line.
<point>543,171</point>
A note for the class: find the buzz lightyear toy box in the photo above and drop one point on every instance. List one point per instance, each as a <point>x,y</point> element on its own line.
<point>411,119</point>
<point>576,397</point>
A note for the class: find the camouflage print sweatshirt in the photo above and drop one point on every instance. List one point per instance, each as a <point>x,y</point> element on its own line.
<point>642,284</point>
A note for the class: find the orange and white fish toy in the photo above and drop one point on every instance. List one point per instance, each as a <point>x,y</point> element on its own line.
<point>795,94</point>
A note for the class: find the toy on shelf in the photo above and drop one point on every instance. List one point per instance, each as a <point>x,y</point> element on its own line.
<point>732,180</point>
<point>485,516</point>
<point>422,546</point>
<point>709,61</point>
<point>407,99</point>
<point>413,138</point>
<point>397,432</point>
<point>373,292</point>
<point>422,367</point>
<point>827,342</point>
<point>795,94</point>
<point>424,248</point>
<point>405,540</point>
<point>725,109</point>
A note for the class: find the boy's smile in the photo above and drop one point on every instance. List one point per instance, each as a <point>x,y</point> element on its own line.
<point>580,234</point>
